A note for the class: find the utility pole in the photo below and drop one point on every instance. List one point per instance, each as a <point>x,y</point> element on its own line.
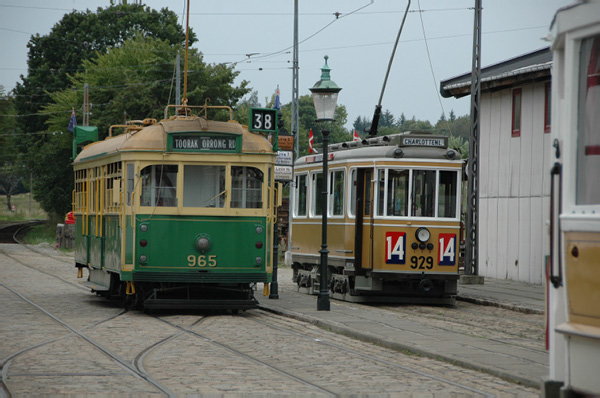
<point>178,80</point>
<point>294,126</point>
<point>471,248</point>
<point>86,105</point>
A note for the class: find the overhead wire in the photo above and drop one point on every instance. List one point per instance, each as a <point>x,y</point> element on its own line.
<point>431,68</point>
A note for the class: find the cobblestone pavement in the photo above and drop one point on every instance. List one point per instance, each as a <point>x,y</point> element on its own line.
<point>86,345</point>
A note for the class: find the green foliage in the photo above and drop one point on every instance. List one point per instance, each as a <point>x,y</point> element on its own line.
<point>126,54</point>
<point>133,82</point>
<point>79,36</point>
<point>11,172</point>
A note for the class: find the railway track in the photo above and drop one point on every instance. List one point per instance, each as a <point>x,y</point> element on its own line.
<point>171,354</point>
<point>10,232</point>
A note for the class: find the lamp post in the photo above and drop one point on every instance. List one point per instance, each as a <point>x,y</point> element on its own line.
<point>325,94</point>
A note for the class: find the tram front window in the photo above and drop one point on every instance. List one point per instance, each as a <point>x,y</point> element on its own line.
<point>246,187</point>
<point>397,196</point>
<point>423,193</point>
<point>159,185</point>
<point>203,186</point>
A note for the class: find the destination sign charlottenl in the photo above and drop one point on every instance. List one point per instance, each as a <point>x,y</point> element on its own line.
<point>437,142</point>
<point>204,142</point>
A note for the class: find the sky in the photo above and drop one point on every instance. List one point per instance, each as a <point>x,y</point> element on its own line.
<point>357,35</point>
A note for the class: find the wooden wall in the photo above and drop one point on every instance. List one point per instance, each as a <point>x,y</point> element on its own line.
<point>514,187</point>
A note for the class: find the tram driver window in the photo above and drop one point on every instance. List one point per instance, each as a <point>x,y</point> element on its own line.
<point>423,193</point>
<point>159,185</point>
<point>203,186</point>
<point>246,187</point>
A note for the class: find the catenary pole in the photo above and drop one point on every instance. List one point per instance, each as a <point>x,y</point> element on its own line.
<point>471,248</point>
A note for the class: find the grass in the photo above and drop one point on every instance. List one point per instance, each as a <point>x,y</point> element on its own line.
<point>44,233</point>
<point>26,208</point>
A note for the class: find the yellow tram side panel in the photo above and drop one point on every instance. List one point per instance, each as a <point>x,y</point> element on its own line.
<point>582,251</point>
<point>340,236</point>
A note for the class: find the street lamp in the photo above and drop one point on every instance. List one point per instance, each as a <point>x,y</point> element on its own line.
<point>325,94</point>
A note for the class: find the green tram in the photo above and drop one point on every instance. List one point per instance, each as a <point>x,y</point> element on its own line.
<point>177,213</point>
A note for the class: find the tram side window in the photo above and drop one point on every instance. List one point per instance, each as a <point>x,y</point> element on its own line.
<point>353,193</point>
<point>302,190</point>
<point>337,193</point>
<point>588,137</point>
<point>203,186</point>
<point>159,185</point>
<point>397,193</point>
<point>130,182</point>
<point>316,196</point>
<point>447,194</point>
<point>423,193</point>
<point>246,187</point>
<point>381,194</point>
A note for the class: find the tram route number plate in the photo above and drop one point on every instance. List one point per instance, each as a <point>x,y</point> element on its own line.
<point>263,119</point>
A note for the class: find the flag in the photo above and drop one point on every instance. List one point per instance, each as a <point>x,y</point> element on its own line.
<point>310,142</point>
<point>355,137</point>
<point>277,101</point>
<point>72,121</point>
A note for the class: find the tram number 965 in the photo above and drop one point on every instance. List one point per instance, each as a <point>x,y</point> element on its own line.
<point>421,262</point>
<point>202,261</point>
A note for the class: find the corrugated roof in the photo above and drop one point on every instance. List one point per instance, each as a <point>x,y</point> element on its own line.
<point>532,66</point>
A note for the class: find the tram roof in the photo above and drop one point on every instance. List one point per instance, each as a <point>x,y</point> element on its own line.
<point>420,145</point>
<point>154,137</point>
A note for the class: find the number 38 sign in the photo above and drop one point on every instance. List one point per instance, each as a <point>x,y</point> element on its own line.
<point>263,119</point>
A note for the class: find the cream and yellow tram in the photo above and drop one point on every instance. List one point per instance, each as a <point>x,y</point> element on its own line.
<point>393,220</point>
<point>574,272</point>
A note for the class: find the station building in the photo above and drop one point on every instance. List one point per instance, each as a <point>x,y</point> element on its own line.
<point>514,164</point>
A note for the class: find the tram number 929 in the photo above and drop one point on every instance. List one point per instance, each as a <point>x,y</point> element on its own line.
<point>202,261</point>
<point>421,262</point>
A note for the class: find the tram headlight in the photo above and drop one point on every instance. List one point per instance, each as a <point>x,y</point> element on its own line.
<point>143,259</point>
<point>423,234</point>
<point>259,229</point>
<point>144,227</point>
<point>259,260</point>
<point>202,243</point>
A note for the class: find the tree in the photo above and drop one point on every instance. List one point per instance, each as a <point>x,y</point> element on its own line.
<point>242,111</point>
<point>387,119</point>
<point>80,36</point>
<point>11,181</point>
<point>133,79</point>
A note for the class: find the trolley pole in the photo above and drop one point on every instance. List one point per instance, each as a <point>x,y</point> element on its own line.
<point>471,248</point>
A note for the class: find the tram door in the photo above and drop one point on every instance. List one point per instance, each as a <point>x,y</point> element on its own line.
<point>364,220</point>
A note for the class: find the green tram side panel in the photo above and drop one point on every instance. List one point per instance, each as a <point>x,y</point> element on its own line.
<point>80,251</point>
<point>99,251</point>
<point>171,246</point>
